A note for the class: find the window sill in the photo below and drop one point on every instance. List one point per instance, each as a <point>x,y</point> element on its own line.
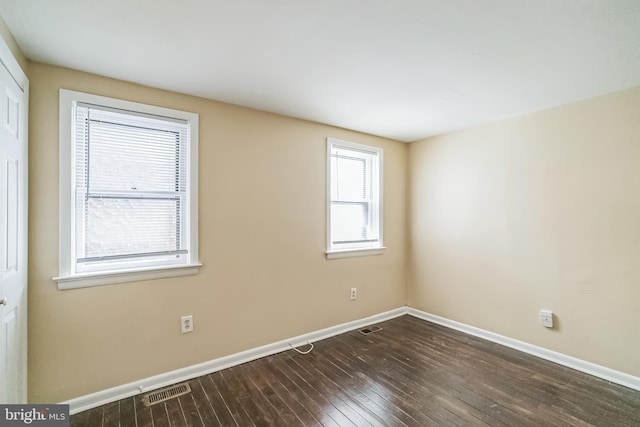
<point>349,253</point>
<point>85,280</point>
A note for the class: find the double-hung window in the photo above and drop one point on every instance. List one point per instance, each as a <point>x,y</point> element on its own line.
<point>354,199</point>
<point>128,189</point>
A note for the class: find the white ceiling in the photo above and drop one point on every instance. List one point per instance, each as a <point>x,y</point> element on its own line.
<point>403,69</point>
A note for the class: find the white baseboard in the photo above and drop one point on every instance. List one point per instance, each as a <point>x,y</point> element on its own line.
<point>113,394</point>
<point>93,400</point>
<point>559,358</point>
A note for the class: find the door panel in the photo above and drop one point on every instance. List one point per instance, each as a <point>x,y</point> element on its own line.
<point>11,358</point>
<point>12,121</point>
<point>13,240</point>
<point>12,218</point>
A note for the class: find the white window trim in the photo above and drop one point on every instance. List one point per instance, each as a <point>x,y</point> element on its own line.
<point>355,252</point>
<point>67,278</point>
<point>350,253</point>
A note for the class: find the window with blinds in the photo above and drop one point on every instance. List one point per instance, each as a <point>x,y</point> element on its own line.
<point>355,202</point>
<point>132,187</point>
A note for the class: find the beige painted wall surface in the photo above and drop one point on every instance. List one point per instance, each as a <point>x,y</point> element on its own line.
<point>540,211</point>
<point>262,240</point>
<point>6,35</point>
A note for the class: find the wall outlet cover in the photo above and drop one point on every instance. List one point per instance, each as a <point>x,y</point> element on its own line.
<point>186,324</point>
<point>546,318</point>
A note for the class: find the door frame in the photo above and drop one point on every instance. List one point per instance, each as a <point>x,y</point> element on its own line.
<point>17,73</point>
<point>9,61</point>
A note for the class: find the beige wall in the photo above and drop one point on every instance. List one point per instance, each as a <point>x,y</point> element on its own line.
<point>262,241</point>
<point>539,211</point>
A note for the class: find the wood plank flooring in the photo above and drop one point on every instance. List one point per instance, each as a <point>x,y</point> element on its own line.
<point>412,373</point>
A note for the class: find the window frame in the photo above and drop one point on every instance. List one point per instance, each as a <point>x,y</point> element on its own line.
<point>68,276</point>
<point>333,252</point>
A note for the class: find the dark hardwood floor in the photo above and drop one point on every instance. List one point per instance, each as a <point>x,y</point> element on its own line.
<point>411,373</point>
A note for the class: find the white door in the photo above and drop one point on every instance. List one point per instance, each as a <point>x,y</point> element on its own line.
<point>13,240</point>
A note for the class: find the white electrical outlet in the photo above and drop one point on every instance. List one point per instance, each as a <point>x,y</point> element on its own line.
<point>354,293</point>
<point>186,324</point>
<point>546,318</point>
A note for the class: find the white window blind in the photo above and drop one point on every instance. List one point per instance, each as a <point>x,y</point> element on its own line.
<point>131,198</point>
<point>354,196</point>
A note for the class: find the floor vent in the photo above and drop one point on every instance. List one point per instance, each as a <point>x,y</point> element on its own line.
<point>166,393</point>
<point>367,331</point>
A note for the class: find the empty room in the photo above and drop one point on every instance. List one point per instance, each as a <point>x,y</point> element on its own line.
<point>337,213</point>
